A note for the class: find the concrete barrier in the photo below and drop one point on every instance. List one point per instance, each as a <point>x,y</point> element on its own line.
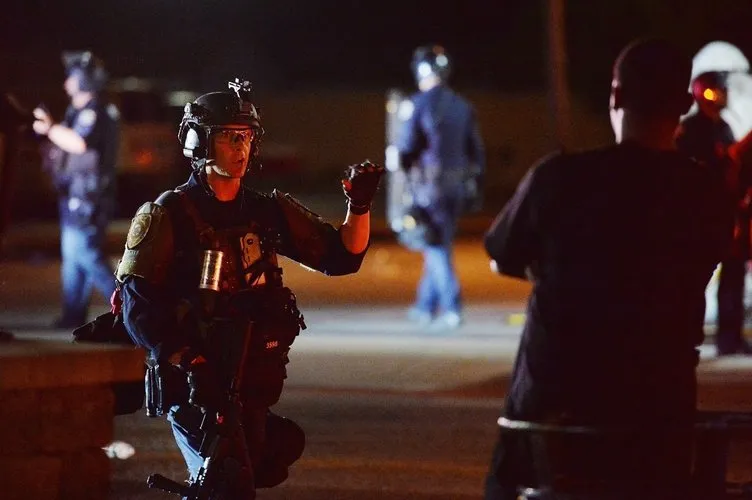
<point>56,414</point>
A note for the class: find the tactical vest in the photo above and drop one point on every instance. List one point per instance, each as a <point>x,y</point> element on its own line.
<point>241,278</point>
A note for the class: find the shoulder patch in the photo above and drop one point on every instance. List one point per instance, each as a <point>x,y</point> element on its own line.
<point>87,117</point>
<point>139,229</point>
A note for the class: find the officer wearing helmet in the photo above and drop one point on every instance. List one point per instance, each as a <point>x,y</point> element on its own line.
<point>80,156</point>
<point>707,137</point>
<point>442,151</point>
<point>201,266</point>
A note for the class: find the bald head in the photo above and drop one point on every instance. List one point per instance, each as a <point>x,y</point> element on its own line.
<point>652,77</point>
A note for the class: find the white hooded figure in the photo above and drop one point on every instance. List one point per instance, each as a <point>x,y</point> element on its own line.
<point>723,56</point>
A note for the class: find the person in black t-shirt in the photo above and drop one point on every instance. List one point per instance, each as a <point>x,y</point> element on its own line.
<point>619,243</point>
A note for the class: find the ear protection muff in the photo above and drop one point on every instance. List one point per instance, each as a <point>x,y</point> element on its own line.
<point>194,141</point>
<point>213,110</point>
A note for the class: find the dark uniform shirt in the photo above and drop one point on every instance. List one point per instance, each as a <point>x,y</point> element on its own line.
<point>86,181</point>
<point>149,309</point>
<point>708,141</point>
<point>704,139</point>
<point>622,242</point>
<point>442,136</point>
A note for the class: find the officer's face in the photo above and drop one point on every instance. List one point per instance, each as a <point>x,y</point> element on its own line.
<point>72,85</point>
<point>231,149</point>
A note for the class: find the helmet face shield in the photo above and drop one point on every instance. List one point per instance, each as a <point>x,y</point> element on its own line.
<point>430,60</point>
<point>710,88</point>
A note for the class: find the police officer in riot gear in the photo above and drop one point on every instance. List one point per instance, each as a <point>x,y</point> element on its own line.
<point>200,269</point>
<point>443,152</point>
<point>707,137</point>
<point>80,156</point>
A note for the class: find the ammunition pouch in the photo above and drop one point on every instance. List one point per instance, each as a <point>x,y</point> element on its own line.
<point>205,389</point>
<point>275,315</point>
<point>263,378</point>
<point>165,385</point>
<point>108,328</point>
<point>259,327</point>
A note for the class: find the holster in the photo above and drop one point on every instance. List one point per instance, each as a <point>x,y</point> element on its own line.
<point>153,390</point>
<point>165,385</point>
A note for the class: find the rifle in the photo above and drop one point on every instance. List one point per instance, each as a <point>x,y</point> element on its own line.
<point>227,469</point>
<point>13,115</point>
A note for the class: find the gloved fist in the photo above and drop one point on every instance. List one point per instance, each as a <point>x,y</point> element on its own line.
<point>360,185</point>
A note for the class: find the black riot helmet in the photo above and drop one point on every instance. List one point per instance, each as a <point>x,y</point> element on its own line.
<point>89,69</point>
<point>217,110</point>
<point>710,88</point>
<point>430,60</point>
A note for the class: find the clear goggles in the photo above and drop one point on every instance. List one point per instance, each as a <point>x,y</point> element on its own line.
<point>232,135</point>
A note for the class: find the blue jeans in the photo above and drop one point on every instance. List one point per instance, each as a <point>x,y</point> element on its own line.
<point>187,437</point>
<point>439,288</point>
<point>83,268</point>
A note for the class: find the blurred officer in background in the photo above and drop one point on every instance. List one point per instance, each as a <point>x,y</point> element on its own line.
<point>443,152</point>
<point>620,243</point>
<point>705,136</point>
<point>80,156</point>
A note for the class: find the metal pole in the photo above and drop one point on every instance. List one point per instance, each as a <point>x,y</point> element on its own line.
<point>557,62</point>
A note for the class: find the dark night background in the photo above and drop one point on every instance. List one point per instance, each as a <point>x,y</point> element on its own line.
<point>295,44</point>
<point>341,57</point>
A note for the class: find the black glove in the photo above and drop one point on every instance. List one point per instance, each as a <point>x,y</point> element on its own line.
<point>360,185</point>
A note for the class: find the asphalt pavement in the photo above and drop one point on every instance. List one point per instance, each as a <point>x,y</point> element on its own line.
<point>358,337</point>
<point>387,380</point>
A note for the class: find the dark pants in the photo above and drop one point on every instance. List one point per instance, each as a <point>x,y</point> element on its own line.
<point>643,449</point>
<point>272,442</point>
<point>729,335</point>
<point>494,489</point>
<point>626,466</point>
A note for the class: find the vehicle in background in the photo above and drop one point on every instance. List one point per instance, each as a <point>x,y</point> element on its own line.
<point>149,157</point>
<point>150,160</point>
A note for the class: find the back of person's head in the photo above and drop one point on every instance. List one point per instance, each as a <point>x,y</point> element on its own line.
<point>431,61</point>
<point>653,78</point>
